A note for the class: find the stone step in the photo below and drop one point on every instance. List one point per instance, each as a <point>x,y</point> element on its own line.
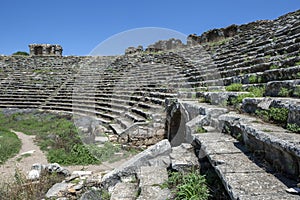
<point>289,108</point>
<point>275,144</point>
<point>243,175</point>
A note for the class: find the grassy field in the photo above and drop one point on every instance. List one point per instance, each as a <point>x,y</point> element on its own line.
<point>10,144</point>
<point>58,137</point>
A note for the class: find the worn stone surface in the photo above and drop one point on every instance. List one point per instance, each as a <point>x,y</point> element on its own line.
<point>149,176</point>
<point>183,158</point>
<point>126,191</point>
<point>273,88</point>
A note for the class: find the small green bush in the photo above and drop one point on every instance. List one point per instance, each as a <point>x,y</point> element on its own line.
<point>263,114</point>
<point>190,185</point>
<point>284,92</point>
<point>257,91</point>
<point>253,79</point>
<point>234,87</point>
<point>293,127</point>
<point>279,115</point>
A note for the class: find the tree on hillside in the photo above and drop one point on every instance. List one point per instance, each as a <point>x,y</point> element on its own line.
<point>20,53</point>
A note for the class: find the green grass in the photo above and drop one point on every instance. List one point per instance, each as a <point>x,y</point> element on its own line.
<point>240,97</point>
<point>187,186</point>
<point>10,145</point>
<point>253,92</point>
<point>59,138</point>
<point>234,87</point>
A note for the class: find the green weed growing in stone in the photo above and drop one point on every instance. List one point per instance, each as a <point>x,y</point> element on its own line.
<point>234,87</point>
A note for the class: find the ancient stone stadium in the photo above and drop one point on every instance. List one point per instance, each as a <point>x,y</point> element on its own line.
<point>227,101</point>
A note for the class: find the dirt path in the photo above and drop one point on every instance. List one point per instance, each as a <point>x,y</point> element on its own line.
<point>33,155</point>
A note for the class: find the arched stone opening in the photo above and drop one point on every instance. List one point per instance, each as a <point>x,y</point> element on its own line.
<point>175,125</point>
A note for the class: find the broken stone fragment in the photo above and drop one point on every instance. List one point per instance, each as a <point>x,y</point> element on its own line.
<point>183,158</point>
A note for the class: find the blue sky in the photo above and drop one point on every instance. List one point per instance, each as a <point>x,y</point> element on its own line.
<point>79,26</point>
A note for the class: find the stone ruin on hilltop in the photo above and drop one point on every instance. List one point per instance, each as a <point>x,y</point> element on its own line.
<point>45,50</point>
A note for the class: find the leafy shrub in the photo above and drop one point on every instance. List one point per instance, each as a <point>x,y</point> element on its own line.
<point>234,87</point>
<point>10,145</point>
<point>293,127</point>
<point>263,114</point>
<point>284,92</point>
<point>190,185</point>
<point>253,79</point>
<point>257,91</point>
<point>279,115</point>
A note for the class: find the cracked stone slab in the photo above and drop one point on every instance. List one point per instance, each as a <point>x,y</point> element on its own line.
<point>125,191</point>
<point>150,176</point>
<point>218,143</point>
<point>253,184</point>
<point>234,163</point>
<point>183,157</point>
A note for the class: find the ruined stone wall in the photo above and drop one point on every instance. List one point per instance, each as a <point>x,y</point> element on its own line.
<point>45,50</point>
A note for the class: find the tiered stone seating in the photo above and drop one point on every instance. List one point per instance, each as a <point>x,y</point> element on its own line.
<point>127,94</point>
<point>254,146</point>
